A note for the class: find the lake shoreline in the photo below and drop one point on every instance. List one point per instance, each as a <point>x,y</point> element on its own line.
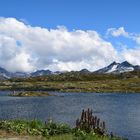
<point>20,93</point>
<point>75,92</point>
<point>30,94</point>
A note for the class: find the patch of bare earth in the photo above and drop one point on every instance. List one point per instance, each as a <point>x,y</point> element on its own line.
<point>14,136</point>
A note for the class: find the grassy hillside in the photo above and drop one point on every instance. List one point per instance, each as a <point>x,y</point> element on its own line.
<point>77,82</point>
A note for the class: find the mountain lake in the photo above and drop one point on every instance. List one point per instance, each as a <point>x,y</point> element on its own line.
<point>120,111</point>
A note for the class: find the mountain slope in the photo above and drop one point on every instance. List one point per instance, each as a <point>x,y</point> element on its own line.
<point>41,72</point>
<point>84,71</point>
<point>4,74</point>
<point>109,68</point>
<point>118,68</point>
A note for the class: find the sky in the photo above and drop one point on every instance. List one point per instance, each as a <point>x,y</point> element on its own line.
<point>68,34</point>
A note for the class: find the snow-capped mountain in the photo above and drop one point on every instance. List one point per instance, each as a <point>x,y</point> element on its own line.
<point>118,68</point>
<point>110,68</point>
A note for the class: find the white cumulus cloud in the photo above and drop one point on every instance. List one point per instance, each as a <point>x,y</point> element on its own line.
<point>128,53</point>
<point>132,55</point>
<point>26,48</point>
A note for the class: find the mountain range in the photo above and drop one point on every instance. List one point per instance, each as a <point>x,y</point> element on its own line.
<point>118,68</point>
<point>112,68</point>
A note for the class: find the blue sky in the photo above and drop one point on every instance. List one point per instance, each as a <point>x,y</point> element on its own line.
<point>75,14</point>
<point>91,33</point>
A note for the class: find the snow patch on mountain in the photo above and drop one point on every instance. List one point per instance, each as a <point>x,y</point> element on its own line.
<point>118,68</point>
<point>114,68</point>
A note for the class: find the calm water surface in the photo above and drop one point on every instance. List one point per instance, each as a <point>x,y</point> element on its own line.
<point>121,112</point>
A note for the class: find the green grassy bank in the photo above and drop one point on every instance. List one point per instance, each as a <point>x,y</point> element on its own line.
<point>88,127</point>
<point>37,130</point>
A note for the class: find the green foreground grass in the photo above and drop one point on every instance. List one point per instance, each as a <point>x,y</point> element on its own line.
<point>88,137</point>
<point>37,130</point>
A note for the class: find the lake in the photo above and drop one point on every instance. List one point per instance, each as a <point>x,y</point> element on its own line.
<point>121,112</point>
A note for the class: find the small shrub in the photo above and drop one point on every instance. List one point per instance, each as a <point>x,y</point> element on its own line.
<point>88,123</point>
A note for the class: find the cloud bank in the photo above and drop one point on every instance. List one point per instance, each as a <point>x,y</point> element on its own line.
<point>26,48</point>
